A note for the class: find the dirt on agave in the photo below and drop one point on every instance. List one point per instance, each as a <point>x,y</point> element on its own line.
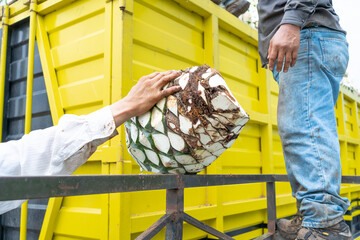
<point>188,130</point>
<point>194,102</point>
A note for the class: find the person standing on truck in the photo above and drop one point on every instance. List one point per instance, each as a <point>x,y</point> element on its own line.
<point>61,149</point>
<point>304,45</point>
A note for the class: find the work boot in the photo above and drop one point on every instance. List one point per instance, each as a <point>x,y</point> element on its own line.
<point>340,231</point>
<point>288,229</point>
<point>237,7</point>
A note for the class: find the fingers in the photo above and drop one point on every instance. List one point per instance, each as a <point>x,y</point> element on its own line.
<point>287,61</point>
<point>294,57</point>
<point>280,60</point>
<point>169,91</point>
<point>272,57</point>
<point>147,77</point>
<point>154,74</point>
<point>284,47</point>
<point>162,79</point>
<point>279,56</point>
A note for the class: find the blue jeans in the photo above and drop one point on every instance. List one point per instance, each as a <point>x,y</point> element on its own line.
<point>306,121</point>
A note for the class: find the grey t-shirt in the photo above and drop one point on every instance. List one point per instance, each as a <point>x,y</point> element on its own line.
<point>302,13</point>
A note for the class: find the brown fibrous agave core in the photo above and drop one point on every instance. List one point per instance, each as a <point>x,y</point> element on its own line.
<point>188,130</point>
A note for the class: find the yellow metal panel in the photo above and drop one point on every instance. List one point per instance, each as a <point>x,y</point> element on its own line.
<point>73,13</point>
<point>351,156</point>
<point>79,222</point>
<point>78,30</point>
<point>82,50</point>
<point>88,92</point>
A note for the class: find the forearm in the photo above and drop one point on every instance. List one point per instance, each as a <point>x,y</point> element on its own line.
<point>57,150</point>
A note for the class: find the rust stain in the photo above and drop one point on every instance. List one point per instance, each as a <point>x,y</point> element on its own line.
<point>69,187</point>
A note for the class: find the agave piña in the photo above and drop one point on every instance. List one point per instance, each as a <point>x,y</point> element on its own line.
<point>187,131</point>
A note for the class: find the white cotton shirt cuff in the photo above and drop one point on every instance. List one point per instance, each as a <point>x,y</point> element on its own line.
<point>88,132</point>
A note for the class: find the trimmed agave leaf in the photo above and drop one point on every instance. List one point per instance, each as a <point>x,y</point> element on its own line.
<point>202,92</point>
<point>206,75</point>
<point>134,132</point>
<point>184,159</point>
<point>161,142</point>
<point>208,160</point>
<point>144,120</point>
<point>177,142</point>
<point>215,123</point>
<point>219,152</point>
<point>137,153</point>
<point>229,144</point>
<point>152,156</point>
<point>161,104</point>
<point>193,168</point>
<point>241,122</point>
<point>213,147</point>
<point>185,132</point>
<point>177,171</point>
<point>193,69</point>
<point>172,104</point>
<point>183,80</point>
<point>155,170</point>
<point>185,125</point>
<point>204,138</point>
<point>157,120</point>
<point>143,138</point>
<point>236,130</point>
<point>201,153</point>
<point>167,161</point>
<point>222,119</point>
<point>223,102</point>
<point>127,133</point>
<point>143,167</point>
<point>133,119</point>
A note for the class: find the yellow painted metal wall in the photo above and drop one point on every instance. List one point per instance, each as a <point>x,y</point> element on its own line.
<point>93,51</point>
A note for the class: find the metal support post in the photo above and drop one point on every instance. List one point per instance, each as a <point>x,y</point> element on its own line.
<point>155,228</point>
<point>28,108</point>
<point>5,26</point>
<point>175,208</point>
<point>271,206</point>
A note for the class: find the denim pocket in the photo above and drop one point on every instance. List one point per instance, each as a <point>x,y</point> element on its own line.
<point>335,55</point>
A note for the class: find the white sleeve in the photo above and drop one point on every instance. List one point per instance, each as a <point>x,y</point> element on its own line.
<point>57,150</point>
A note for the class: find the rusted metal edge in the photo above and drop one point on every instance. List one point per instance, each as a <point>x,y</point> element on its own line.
<point>217,180</point>
<point>206,228</point>
<point>155,228</point>
<point>54,186</point>
<point>57,186</point>
<point>271,206</point>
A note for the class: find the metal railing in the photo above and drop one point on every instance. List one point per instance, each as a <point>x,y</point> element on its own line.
<point>13,188</point>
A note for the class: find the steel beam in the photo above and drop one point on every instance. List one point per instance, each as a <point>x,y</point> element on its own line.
<point>206,228</point>
<point>271,206</point>
<point>175,207</point>
<point>155,228</point>
<point>57,186</point>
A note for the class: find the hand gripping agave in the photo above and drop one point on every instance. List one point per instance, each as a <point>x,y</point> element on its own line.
<point>185,132</point>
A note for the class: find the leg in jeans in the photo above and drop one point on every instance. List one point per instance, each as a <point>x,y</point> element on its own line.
<point>307,126</point>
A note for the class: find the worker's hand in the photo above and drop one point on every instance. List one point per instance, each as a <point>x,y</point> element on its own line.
<point>284,45</point>
<point>144,95</point>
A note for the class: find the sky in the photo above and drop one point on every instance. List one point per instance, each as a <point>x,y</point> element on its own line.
<point>348,11</point>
